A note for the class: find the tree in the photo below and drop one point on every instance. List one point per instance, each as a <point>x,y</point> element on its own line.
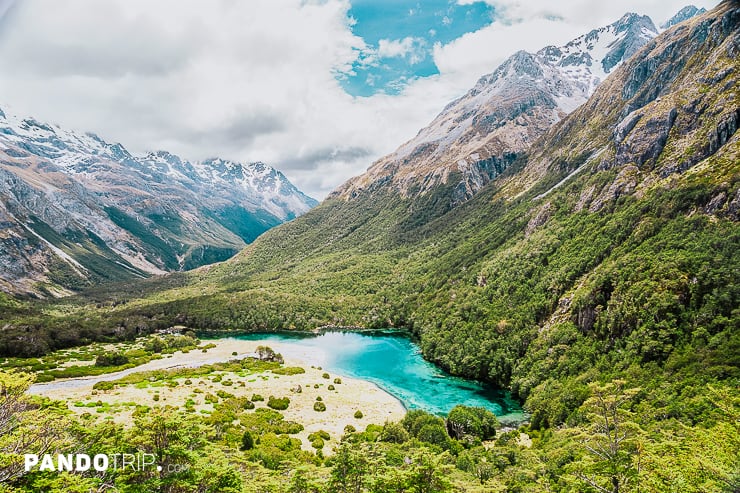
<point>478,422</point>
<point>394,433</point>
<point>428,474</point>
<point>349,468</point>
<point>178,442</point>
<point>612,462</point>
<point>24,428</point>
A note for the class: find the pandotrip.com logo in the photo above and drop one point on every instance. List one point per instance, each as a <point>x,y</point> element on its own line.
<point>98,462</point>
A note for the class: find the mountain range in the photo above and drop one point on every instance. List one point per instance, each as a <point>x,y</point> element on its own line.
<point>77,211</point>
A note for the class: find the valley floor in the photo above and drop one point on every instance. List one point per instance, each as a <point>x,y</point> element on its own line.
<point>342,400</point>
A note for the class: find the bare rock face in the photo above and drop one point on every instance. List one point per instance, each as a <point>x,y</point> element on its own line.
<point>647,140</point>
<point>76,211</point>
<point>539,218</point>
<point>479,135</point>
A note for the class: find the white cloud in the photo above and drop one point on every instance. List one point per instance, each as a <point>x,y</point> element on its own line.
<point>252,80</point>
<point>587,14</point>
<point>389,48</point>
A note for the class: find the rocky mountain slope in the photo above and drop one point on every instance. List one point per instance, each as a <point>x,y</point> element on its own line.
<point>478,135</point>
<point>76,210</point>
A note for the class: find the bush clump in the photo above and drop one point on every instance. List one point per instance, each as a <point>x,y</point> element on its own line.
<point>247,441</point>
<point>104,386</point>
<point>319,406</point>
<point>278,403</point>
<point>111,359</point>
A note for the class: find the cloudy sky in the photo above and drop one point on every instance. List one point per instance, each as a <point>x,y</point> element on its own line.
<point>317,88</point>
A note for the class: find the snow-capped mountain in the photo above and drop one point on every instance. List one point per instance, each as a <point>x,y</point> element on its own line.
<point>477,136</point>
<point>76,210</point>
<point>260,185</point>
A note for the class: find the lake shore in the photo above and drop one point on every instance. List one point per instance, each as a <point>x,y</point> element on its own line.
<point>346,398</point>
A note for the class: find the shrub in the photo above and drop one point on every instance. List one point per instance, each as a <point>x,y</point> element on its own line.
<point>104,386</point>
<point>247,441</point>
<point>249,405</point>
<point>321,434</point>
<point>156,397</point>
<point>257,398</point>
<point>358,414</point>
<point>289,370</point>
<point>111,359</point>
<point>317,443</point>
<point>318,398</point>
<point>330,387</point>
<point>337,381</point>
<point>318,438</point>
<point>224,395</point>
<point>319,406</point>
<point>278,403</point>
<point>326,375</point>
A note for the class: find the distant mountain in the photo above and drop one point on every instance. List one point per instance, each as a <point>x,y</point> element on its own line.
<point>76,210</point>
<point>478,135</point>
<point>684,14</point>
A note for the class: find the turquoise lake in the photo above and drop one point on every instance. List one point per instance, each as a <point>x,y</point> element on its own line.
<point>393,362</point>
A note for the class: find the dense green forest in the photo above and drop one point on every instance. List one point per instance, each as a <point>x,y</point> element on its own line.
<point>608,304</point>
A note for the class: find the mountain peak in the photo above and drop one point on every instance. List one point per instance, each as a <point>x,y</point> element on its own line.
<point>478,135</point>
<point>630,20</point>
<point>682,15</point>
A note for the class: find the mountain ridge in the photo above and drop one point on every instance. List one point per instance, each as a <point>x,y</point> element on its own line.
<point>479,134</point>
<point>77,210</point>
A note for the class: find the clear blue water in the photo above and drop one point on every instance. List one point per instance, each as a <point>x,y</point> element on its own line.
<point>394,363</point>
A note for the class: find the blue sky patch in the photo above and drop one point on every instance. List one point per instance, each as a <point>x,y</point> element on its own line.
<point>400,37</point>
